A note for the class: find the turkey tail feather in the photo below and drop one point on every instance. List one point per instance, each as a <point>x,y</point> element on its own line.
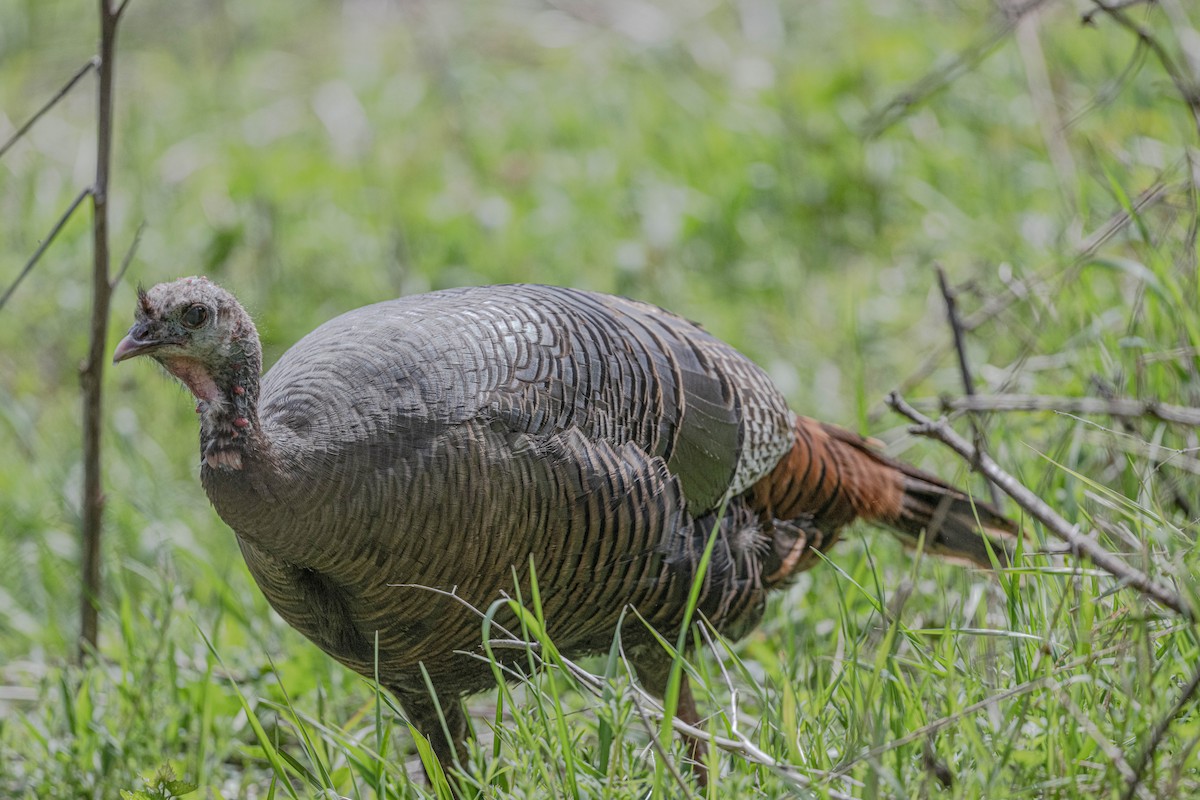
<point>954,524</point>
<point>832,476</point>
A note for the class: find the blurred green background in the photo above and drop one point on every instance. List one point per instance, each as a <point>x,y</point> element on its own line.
<point>775,170</point>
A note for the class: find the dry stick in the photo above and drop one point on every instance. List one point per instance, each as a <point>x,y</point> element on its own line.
<point>1160,731</point>
<point>1089,17</point>
<point>37,254</point>
<point>1040,511</point>
<point>935,81</point>
<point>1122,409</point>
<point>133,246</point>
<point>996,305</point>
<point>92,374</point>
<point>1187,89</point>
<point>91,64</point>
<point>964,367</point>
<point>1112,89</point>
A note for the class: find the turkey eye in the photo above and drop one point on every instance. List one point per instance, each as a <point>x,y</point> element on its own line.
<point>195,316</point>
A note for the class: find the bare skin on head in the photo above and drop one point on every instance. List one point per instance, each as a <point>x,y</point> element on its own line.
<point>201,335</point>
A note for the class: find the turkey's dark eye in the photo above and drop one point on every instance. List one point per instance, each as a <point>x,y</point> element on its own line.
<point>195,316</point>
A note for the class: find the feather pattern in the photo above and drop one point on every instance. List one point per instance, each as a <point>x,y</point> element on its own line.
<point>412,459</point>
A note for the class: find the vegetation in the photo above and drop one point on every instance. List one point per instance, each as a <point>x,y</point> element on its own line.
<point>787,173</point>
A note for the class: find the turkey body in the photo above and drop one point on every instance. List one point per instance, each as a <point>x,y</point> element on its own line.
<point>410,463</point>
<point>449,441</point>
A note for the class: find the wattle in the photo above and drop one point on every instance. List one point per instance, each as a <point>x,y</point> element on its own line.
<point>197,379</point>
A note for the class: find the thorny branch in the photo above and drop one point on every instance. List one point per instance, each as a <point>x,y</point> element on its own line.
<point>1039,510</point>
<point>92,372</point>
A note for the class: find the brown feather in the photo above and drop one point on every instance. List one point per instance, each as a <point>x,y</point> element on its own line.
<point>832,476</point>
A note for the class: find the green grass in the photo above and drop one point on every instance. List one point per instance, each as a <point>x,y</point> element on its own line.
<point>316,156</point>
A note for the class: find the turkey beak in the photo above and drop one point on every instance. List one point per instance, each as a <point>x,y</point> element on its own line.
<point>136,343</point>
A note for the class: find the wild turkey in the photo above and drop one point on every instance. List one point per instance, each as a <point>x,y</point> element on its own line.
<point>448,440</point>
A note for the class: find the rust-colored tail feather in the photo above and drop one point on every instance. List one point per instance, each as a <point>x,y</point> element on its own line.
<point>832,476</point>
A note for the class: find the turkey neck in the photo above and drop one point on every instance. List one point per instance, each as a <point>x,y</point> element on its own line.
<point>229,426</point>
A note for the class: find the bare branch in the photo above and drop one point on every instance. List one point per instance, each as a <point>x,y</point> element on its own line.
<point>998,304</point>
<point>37,254</point>
<point>1039,510</point>
<point>91,64</point>
<point>1089,17</point>
<point>938,79</point>
<point>1188,91</point>
<point>964,366</point>
<point>1122,409</point>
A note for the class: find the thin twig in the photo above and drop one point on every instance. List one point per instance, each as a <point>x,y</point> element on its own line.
<point>1107,93</point>
<point>1188,91</point>
<point>1160,731</point>
<point>964,366</point>
<point>133,246</point>
<point>1122,409</point>
<point>998,304</point>
<point>938,79</point>
<point>1089,17</point>
<point>37,254</point>
<point>1039,510</point>
<point>91,64</point>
